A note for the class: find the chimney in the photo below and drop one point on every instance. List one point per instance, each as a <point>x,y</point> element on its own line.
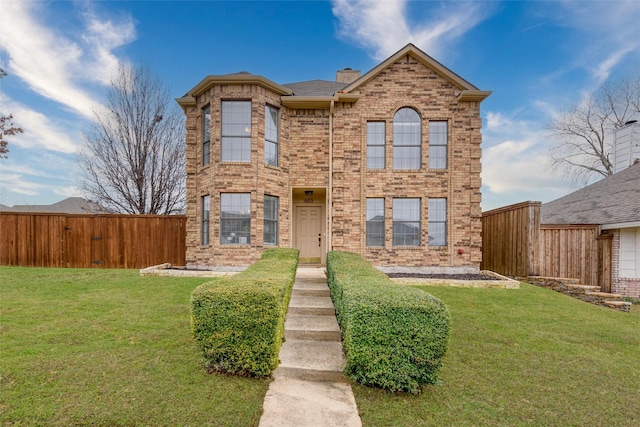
<point>347,75</point>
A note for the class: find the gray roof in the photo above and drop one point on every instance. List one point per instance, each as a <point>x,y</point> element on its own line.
<point>70,205</point>
<point>315,87</point>
<point>613,200</point>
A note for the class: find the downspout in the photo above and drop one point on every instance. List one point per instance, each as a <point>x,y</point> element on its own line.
<point>330,198</point>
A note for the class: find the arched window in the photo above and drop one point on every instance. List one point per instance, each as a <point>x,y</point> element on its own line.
<point>406,139</point>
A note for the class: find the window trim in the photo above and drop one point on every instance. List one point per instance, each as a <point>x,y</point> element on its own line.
<point>400,222</point>
<point>431,221</point>
<point>224,240</point>
<point>371,221</point>
<point>205,221</point>
<point>383,144</point>
<point>267,141</point>
<point>275,220</point>
<point>224,138</point>
<point>206,135</point>
<point>396,138</point>
<point>432,138</point>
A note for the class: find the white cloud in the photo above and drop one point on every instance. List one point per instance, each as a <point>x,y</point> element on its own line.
<point>515,165</point>
<point>39,130</point>
<point>57,66</point>
<point>384,26</point>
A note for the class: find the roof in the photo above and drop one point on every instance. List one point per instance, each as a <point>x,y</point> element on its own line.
<point>70,205</point>
<point>315,88</point>
<point>613,200</point>
<point>321,93</point>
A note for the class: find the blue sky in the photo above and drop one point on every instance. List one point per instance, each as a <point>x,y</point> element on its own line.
<point>538,58</point>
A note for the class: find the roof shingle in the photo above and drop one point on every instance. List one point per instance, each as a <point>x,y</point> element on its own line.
<point>613,200</point>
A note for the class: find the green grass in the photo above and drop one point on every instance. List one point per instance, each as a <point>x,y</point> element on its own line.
<point>109,348</point>
<point>528,357</point>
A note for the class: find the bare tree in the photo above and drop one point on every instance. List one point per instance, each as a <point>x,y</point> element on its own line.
<point>583,136</point>
<point>7,128</point>
<point>134,159</point>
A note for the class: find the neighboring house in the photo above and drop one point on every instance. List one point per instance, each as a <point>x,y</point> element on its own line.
<point>386,164</point>
<point>70,205</point>
<point>614,204</point>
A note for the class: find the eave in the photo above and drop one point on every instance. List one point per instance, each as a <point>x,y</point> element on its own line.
<point>313,102</point>
<point>473,95</point>
<point>237,79</point>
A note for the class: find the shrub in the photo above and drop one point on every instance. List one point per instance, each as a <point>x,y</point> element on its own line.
<point>394,337</point>
<point>238,322</point>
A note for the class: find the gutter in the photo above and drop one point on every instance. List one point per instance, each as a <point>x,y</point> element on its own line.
<point>330,198</point>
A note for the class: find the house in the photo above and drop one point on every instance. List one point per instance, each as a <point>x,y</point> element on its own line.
<point>614,204</point>
<point>70,205</point>
<point>385,164</point>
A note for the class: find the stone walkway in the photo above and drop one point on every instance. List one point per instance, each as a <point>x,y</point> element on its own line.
<point>308,387</point>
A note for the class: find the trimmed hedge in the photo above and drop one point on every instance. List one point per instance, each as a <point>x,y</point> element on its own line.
<point>394,337</point>
<point>238,321</point>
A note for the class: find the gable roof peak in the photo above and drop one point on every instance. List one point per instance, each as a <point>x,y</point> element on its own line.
<point>468,92</point>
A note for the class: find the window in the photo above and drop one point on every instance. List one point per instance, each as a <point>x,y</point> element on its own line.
<point>235,218</point>
<point>438,145</point>
<point>270,220</point>
<point>437,222</point>
<point>206,135</point>
<point>375,145</point>
<point>236,131</point>
<point>406,222</point>
<point>375,222</point>
<point>271,136</point>
<point>204,231</point>
<point>406,139</point>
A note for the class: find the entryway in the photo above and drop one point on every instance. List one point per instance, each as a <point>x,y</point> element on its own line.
<point>309,229</point>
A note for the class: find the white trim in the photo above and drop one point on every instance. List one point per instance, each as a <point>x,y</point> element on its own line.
<point>631,224</point>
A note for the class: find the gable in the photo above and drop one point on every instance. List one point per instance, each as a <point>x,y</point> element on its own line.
<point>468,92</point>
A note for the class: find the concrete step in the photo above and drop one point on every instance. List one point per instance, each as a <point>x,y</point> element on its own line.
<point>302,301</point>
<point>311,360</point>
<point>311,292</point>
<point>312,327</point>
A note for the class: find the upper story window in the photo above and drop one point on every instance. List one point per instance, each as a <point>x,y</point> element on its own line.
<point>438,141</point>
<point>375,145</point>
<point>206,135</point>
<point>271,136</point>
<point>235,218</point>
<point>236,131</point>
<point>406,139</point>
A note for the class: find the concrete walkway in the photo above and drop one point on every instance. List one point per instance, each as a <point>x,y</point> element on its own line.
<point>309,388</point>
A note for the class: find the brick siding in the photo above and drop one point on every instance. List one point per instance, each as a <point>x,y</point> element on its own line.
<point>304,141</point>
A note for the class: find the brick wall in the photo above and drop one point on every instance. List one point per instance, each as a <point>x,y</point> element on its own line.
<point>304,162</point>
<point>408,83</point>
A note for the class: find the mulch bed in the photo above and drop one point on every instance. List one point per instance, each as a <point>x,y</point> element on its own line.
<point>467,276</point>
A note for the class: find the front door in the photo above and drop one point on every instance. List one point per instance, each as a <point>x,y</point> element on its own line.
<point>309,234</point>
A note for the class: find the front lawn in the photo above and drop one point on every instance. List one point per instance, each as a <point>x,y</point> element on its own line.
<point>109,348</point>
<point>527,357</point>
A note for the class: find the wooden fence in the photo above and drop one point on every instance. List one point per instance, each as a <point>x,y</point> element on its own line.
<point>77,241</point>
<point>516,244</point>
<point>509,239</point>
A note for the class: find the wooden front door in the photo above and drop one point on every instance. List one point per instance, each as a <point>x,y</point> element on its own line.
<point>309,234</point>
